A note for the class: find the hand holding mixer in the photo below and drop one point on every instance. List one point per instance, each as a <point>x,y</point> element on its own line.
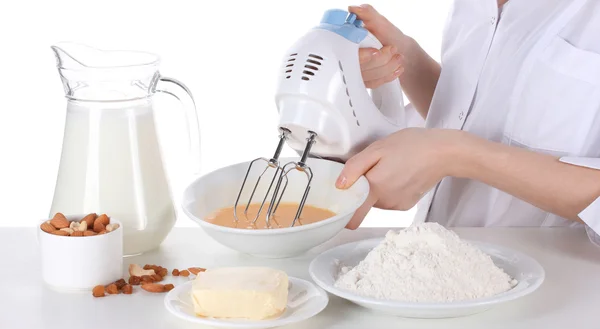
<point>325,110</point>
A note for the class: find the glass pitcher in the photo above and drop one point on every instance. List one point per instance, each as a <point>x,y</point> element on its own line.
<point>111,161</point>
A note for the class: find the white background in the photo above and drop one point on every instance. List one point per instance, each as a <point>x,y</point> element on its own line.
<point>227,52</point>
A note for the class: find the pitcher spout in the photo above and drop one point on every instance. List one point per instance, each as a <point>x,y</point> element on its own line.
<point>88,73</point>
<point>64,59</point>
<point>76,56</point>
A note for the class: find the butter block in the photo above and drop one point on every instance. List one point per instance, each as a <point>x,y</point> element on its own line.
<point>253,293</point>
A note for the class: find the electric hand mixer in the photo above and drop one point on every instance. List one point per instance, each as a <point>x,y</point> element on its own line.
<point>325,110</point>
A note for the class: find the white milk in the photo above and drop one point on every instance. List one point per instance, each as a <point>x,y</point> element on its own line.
<point>111,163</point>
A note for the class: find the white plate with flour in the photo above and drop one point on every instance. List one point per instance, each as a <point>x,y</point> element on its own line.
<point>325,269</point>
<point>305,300</point>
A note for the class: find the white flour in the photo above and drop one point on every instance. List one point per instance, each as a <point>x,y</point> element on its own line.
<point>425,263</point>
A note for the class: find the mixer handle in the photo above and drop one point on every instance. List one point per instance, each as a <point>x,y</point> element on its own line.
<point>388,97</point>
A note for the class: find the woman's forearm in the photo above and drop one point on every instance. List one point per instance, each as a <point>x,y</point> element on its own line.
<point>420,77</point>
<point>539,179</point>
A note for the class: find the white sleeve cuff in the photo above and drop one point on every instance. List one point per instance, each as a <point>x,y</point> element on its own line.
<point>590,215</point>
<point>413,118</point>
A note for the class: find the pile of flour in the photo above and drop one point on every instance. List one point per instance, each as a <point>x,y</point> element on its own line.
<point>425,263</point>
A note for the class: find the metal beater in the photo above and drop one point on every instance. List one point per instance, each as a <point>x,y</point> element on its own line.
<point>281,174</point>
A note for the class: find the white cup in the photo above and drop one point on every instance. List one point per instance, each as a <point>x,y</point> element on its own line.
<point>81,263</point>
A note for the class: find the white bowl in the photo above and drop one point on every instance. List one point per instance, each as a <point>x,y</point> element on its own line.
<point>305,300</point>
<point>81,263</point>
<point>324,271</point>
<point>220,188</point>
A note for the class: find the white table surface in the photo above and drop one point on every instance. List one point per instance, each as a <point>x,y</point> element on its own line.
<point>569,297</point>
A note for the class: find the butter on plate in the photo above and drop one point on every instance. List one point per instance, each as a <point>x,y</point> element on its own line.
<point>253,293</point>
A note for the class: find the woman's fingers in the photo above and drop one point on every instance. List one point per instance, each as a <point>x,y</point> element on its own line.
<point>386,70</point>
<point>362,211</point>
<point>376,23</point>
<point>372,19</point>
<point>358,165</point>
<point>390,77</point>
<point>379,58</point>
<point>365,55</point>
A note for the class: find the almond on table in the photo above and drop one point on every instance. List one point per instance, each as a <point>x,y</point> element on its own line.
<point>98,291</point>
<point>162,272</point>
<point>153,287</point>
<point>196,270</point>
<point>134,280</point>
<point>120,283</point>
<point>127,289</point>
<point>146,277</point>
<point>112,289</point>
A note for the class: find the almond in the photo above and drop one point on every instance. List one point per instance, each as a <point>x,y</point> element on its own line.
<point>98,226</point>
<point>196,270</point>
<point>153,287</point>
<point>163,272</point>
<point>89,233</point>
<point>98,291</point>
<point>185,273</point>
<point>102,232</point>
<point>59,221</point>
<point>134,280</point>
<point>112,227</point>
<point>135,269</point>
<point>156,277</point>
<point>59,232</point>
<point>89,220</point>
<point>82,227</point>
<point>147,279</point>
<point>47,227</point>
<point>112,289</point>
<point>68,230</point>
<point>120,283</point>
<point>77,233</point>
<point>169,287</point>
<point>127,289</point>
<point>103,219</point>
<point>175,272</point>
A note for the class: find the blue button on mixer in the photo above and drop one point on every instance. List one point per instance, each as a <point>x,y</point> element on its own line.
<point>343,23</point>
<point>334,17</point>
<point>351,18</point>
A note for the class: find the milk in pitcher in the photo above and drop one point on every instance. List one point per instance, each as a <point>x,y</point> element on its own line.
<point>111,163</point>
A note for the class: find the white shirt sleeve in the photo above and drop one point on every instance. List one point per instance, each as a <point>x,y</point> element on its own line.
<point>413,118</point>
<point>590,215</point>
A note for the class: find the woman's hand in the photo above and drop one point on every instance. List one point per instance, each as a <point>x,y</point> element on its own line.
<point>383,65</point>
<point>402,167</point>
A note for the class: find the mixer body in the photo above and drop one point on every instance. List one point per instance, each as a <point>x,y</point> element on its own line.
<point>325,110</point>
<point>321,90</point>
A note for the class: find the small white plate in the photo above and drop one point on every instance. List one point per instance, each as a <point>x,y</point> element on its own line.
<point>305,300</point>
<point>324,270</point>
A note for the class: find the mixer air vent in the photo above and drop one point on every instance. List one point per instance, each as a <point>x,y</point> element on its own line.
<point>312,66</point>
<point>289,65</point>
<point>348,92</point>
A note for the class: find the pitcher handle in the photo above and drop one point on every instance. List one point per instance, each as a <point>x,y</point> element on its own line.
<point>178,90</point>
